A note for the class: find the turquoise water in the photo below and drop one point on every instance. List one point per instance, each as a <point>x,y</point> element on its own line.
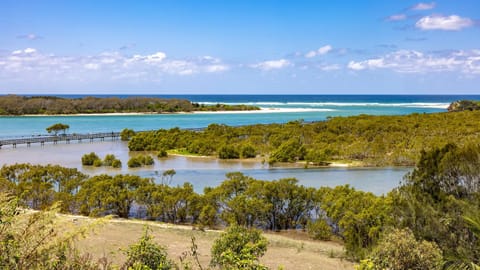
<point>275,109</point>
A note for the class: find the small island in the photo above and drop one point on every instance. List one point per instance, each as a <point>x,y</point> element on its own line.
<point>52,105</point>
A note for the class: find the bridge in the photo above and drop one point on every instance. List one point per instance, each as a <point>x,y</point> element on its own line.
<point>59,138</point>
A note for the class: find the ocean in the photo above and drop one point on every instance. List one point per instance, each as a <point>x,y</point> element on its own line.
<point>275,109</point>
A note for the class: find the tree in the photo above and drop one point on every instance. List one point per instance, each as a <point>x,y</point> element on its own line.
<point>146,254</point>
<point>239,248</point>
<point>55,128</point>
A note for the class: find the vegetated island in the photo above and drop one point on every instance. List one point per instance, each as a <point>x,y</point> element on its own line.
<point>52,105</point>
<point>362,140</point>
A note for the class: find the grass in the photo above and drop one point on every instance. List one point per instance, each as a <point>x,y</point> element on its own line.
<point>285,250</point>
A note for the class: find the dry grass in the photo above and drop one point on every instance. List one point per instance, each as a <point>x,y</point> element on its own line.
<point>288,250</point>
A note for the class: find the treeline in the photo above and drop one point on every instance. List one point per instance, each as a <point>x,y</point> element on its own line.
<point>373,140</point>
<point>21,105</point>
<point>433,216</point>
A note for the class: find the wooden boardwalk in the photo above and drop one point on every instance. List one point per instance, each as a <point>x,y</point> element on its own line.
<point>60,138</point>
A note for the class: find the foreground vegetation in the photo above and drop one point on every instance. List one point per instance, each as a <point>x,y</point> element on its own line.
<point>21,105</point>
<point>371,140</point>
<point>432,217</point>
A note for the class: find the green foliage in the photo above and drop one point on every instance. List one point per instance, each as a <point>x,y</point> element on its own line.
<point>89,159</point>
<point>162,153</point>
<point>434,198</point>
<point>38,186</point>
<point>97,163</point>
<point>19,105</point>
<point>239,248</point>
<point>55,128</point>
<point>228,152</point>
<point>319,229</point>
<point>248,151</point>
<point>38,240</point>
<point>360,216</point>
<point>126,134</point>
<point>400,250</point>
<point>140,160</point>
<point>289,151</point>
<point>93,160</point>
<point>104,194</point>
<point>146,254</point>
<point>464,105</point>
<point>373,140</point>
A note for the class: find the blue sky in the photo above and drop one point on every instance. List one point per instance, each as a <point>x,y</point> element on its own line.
<point>240,47</point>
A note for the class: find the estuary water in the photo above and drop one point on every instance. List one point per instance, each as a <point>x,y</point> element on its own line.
<point>202,172</point>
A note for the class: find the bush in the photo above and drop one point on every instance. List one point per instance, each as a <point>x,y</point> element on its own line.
<point>400,250</point>
<point>248,151</point>
<point>89,159</point>
<point>116,163</point>
<point>162,153</point>
<point>146,254</point>
<point>319,229</point>
<point>228,152</point>
<point>134,162</point>
<point>108,160</point>
<point>239,248</point>
<point>126,134</point>
<point>140,161</point>
<point>97,163</point>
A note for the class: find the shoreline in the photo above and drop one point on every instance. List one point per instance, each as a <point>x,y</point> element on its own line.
<point>262,110</point>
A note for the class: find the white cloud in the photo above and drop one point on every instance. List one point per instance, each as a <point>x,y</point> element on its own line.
<point>272,64</point>
<point>410,61</point>
<point>356,65</point>
<point>424,6</point>
<point>34,65</point>
<point>449,23</point>
<point>320,51</point>
<point>397,17</point>
<point>330,67</point>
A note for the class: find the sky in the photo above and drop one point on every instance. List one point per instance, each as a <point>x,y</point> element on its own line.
<point>239,47</point>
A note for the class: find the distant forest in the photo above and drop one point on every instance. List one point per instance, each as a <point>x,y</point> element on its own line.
<point>21,105</point>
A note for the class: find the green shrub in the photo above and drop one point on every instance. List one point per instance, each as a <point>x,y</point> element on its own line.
<point>248,151</point>
<point>97,163</point>
<point>89,159</point>
<point>319,229</point>
<point>126,134</point>
<point>146,254</point>
<point>162,153</point>
<point>116,163</point>
<point>228,152</point>
<point>400,250</point>
<point>107,161</point>
<point>239,248</point>
<point>134,162</point>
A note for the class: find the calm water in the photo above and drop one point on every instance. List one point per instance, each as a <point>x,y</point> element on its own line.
<point>202,172</point>
<point>210,172</point>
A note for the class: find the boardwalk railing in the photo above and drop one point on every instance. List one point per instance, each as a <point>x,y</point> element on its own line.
<point>59,138</point>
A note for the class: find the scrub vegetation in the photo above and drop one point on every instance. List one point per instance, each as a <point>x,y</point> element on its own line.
<point>364,139</point>
<point>51,105</point>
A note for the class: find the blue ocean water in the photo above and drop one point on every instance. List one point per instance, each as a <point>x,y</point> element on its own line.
<point>275,109</point>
